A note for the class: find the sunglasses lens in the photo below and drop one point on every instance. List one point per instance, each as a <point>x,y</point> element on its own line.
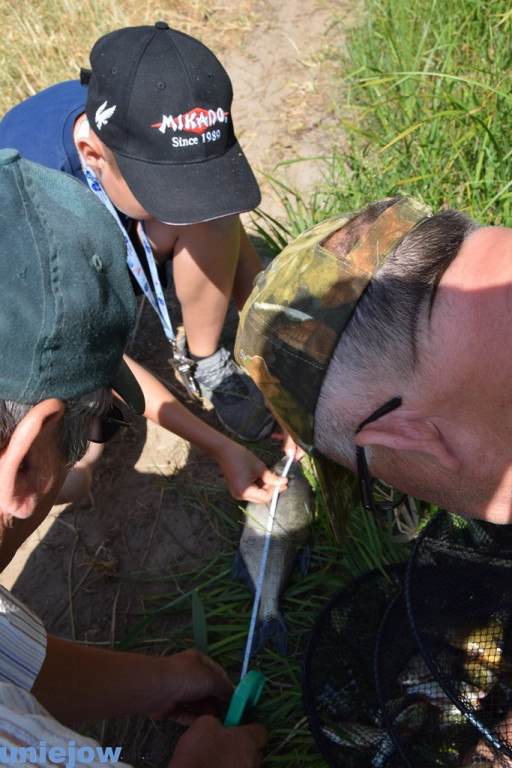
<point>104,428</point>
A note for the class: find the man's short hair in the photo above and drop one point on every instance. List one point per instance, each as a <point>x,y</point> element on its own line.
<point>381,345</point>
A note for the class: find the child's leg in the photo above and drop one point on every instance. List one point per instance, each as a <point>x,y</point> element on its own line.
<point>211,262</point>
<point>249,265</point>
<point>78,482</point>
<point>204,266</point>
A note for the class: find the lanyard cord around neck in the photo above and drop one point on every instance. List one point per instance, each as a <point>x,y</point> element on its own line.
<point>180,362</point>
<point>154,295</point>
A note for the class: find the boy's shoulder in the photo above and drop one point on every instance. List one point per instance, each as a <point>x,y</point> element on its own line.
<point>41,126</point>
<point>65,95</point>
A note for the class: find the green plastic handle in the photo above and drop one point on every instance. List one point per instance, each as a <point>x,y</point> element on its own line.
<point>247,694</point>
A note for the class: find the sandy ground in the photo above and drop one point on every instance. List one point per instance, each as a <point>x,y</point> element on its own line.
<point>150,483</point>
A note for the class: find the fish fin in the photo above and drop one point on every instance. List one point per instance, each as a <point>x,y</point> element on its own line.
<point>303,560</point>
<point>239,571</point>
<point>271,629</point>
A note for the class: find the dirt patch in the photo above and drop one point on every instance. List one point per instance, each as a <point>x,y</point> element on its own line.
<point>150,507</point>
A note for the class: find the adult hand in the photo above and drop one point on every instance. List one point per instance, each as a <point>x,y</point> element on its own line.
<point>190,684</point>
<point>247,476</point>
<point>78,682</point>
<point>207,742</point>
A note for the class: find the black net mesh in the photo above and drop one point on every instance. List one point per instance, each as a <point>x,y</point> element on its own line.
<point>459,599</point>
<point>339,688</point>
<point>412,665</point>
<point>426,728</point>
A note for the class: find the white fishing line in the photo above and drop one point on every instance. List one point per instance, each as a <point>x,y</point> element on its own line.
<point>259,585</point>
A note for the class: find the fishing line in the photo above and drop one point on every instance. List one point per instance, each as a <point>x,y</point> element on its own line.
<point>259,585</point>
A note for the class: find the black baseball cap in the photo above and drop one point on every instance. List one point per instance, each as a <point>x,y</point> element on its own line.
<point>161,102</point>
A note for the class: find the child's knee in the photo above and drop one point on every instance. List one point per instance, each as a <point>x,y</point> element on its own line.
<point>78,482</point>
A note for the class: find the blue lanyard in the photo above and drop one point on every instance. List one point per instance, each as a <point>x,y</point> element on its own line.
<point>154,295</point>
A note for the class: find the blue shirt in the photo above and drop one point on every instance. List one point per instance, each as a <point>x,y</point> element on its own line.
<point>41,127</point>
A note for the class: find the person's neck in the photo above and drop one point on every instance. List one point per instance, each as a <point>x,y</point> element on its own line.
<point>14,531</point>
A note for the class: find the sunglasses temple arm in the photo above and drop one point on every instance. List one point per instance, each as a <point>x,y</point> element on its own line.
<point>365,490</point>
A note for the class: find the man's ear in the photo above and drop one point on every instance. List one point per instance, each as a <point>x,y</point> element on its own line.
<point>401,432</point>
<point>30,462</point>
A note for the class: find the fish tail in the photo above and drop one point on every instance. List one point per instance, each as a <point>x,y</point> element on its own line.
<point>271,629</point>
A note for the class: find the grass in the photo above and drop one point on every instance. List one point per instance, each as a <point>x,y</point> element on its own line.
<point>423,99</point>
<point>46,42</point>
<point>212,612</point>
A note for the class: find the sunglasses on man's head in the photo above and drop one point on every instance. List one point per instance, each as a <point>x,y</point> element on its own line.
<point>103,428</point>
<point>368,487</point>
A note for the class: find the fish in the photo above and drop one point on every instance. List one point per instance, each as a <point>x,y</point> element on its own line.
<point>289,545</point>
<point>435,693</point>
<point>483,642</point>
<point>358,735</point>
<point>479,674</point>
<point>416,671</point>
<point>411,720</point>
<point>406,725</point>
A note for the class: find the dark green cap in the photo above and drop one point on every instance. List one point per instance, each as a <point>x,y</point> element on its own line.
<point>67,306</point>
<point>301,305</point>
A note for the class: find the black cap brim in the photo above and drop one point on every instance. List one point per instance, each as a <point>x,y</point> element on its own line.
<point>127,387</point>
<point>192,192</point>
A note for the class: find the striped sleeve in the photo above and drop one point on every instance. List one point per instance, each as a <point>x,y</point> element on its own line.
<point>22,642</point>
<point>30,736</point>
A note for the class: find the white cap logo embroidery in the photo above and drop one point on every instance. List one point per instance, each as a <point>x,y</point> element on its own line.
<point>103,115</point>
<point>197,120</point>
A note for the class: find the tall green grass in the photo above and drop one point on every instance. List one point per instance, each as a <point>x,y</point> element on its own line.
<point>429,106</point>
<point>424,101</point>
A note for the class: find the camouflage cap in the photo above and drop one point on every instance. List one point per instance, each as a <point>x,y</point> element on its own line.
<point>299,307</point>
<point>301,304</point>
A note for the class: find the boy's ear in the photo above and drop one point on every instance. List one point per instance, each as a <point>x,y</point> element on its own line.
<point>401,432</point>
<point>31,460</point>
<point>91,150</point>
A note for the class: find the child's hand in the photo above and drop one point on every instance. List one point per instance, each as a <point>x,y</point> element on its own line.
<point>247,476</point>
<point>290,447</point>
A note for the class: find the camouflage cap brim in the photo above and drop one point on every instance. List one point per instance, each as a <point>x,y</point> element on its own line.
<point>301,304</point>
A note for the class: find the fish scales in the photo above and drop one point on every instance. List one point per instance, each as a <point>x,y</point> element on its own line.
<point>289,545</point>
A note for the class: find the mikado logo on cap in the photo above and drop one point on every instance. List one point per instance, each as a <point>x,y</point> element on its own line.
<point>197,120</point>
